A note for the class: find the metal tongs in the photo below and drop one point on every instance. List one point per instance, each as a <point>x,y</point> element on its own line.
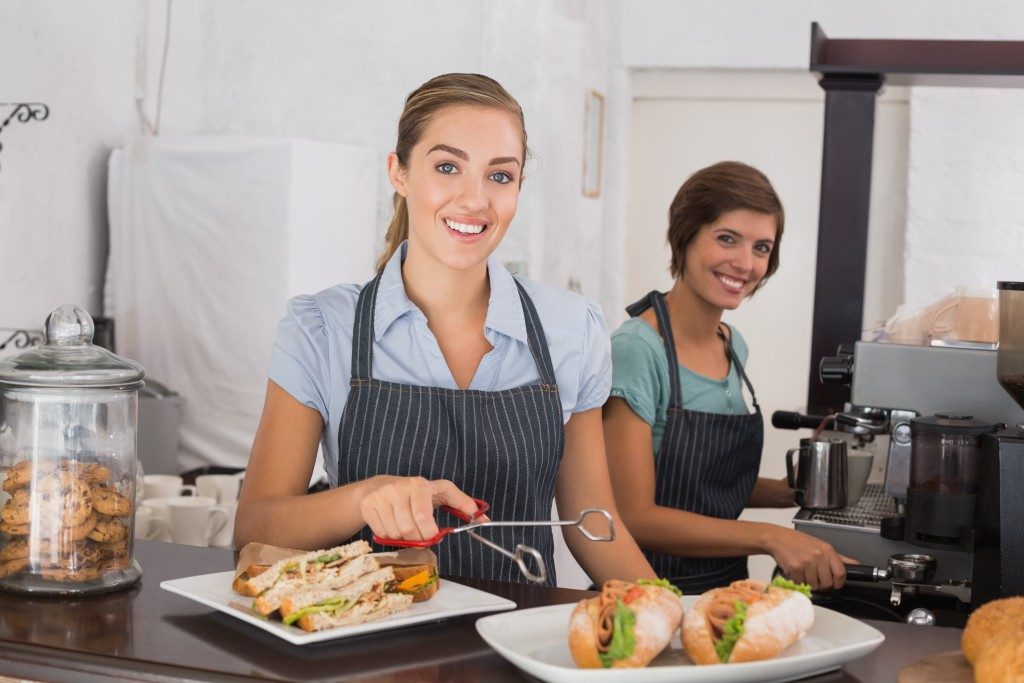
<point>519,554</point>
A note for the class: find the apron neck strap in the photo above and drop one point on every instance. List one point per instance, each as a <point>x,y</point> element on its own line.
<point>362,331</point>
<point>656,300</point>
<point>363,334</point>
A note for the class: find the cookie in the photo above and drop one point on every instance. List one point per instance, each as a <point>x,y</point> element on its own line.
<point>13,514</point>
<point>12,567</point>
<point>115,549</point>
<point>18,476</point>
<point>95,473</point>
<point>74,575</point>
<point>79,532</point>
<point>14,549</point>
<point>115,564</point>
<point>14,529</point>
<point>108,501</point>
<point>108,530</point>
<point>61,479</point>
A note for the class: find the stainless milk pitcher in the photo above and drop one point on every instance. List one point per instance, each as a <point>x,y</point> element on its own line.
<point>819,476</point>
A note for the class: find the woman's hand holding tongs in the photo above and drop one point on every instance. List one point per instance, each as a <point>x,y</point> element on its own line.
<point>403,507</point>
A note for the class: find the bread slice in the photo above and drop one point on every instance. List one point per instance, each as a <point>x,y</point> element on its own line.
<point>270,600</point>
<point>418,580</point>
<point>365,610</point>
<point>257,582</point>
<point>349,590</point>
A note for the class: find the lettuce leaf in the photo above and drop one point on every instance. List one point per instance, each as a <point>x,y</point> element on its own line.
<point>623,643</point>
<point>782,582</point>
<point>661,583</point>
<point>731,632</point>
<point>332,605</point>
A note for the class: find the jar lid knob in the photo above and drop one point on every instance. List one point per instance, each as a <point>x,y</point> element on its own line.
<point>69,325</point>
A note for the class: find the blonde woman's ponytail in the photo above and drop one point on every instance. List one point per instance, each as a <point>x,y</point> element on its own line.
<point>398,232</point>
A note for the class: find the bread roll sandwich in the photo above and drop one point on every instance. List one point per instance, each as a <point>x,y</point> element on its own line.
<point>747,621</point>
<point>626,626</point>
<point>989,622</point>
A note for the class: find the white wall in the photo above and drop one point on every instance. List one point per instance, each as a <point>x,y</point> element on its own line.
<point>323,70</point>
<point>964,217</point>
<point>77,58</point>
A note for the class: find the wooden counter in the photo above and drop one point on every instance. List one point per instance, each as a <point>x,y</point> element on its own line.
<point>150,634</point>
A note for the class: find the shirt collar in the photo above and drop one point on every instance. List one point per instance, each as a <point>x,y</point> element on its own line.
<point>392,302</point>
<point>504,308</point>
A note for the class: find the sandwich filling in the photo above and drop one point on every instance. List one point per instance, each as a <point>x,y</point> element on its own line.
<point>727,613</point>
<point>615,622</point>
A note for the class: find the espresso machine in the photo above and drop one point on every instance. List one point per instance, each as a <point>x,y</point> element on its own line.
<point>951,472</point>
<point>999,532</point>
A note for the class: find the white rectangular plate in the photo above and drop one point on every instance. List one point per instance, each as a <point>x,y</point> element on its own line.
<point>453,599</point>
<point>536,641</point>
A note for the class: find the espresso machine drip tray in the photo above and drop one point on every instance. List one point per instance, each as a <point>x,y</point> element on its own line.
<point>867,513</point>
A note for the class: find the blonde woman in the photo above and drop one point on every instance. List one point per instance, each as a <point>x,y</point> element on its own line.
<point>444,378</point>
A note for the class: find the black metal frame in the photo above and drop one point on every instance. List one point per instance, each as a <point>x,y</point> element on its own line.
<point>23,112</point>
<point>852,73</point>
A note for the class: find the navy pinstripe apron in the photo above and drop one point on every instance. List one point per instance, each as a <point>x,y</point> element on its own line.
<point>502,446</point>
<point>707,464</point>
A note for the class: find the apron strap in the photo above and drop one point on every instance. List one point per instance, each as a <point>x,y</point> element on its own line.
<point>362,335</point>
<point>537,340</point>
<point>739,368</point>
<point>362,332</point>
<point>656,300</point>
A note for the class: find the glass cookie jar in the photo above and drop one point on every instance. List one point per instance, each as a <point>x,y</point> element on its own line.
<point>68,413</point>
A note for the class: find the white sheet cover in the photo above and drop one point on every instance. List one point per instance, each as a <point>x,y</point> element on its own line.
<point>209,237</point>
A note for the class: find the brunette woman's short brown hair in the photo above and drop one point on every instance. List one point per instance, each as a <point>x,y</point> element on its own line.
<point>710,192</point>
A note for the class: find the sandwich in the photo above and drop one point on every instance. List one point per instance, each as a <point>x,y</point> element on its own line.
<point>268,585</point>
<point>415,572</point>
<point>747,621</point>
<point>993,640</point>
<point>362,599</point>
<point>626,626</point>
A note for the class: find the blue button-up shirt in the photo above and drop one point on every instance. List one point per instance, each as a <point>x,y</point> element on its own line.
<point>312,355</point>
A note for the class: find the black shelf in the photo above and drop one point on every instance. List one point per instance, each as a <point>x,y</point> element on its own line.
<point>852,73</point>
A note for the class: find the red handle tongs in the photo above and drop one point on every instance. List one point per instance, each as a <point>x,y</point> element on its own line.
<point>482,506</point>
<point>521,551</point>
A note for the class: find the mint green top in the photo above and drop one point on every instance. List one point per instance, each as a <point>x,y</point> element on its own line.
<point>640,376</point>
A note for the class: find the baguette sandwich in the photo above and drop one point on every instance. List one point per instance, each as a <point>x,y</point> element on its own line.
<point>626,626</point>
<point>747,621</point>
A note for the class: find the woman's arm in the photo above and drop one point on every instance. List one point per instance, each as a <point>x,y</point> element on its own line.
<point>583,483</point>
<point>274,507</point>
<point>663,529</point>
<point>771,493</point>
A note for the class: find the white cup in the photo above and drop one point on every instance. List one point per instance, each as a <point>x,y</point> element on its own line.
<point>161,512</point>
<point>166,486</point>
<point>149,524</point>
<point>223,487</point>
<point>195,520</point>
<point>225,537</point>
<point>858,469</point>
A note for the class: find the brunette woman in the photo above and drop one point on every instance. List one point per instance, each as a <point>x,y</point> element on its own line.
<point>684,449</point>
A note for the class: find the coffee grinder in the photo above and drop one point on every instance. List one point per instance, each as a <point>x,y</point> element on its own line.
<point>999,534</point>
